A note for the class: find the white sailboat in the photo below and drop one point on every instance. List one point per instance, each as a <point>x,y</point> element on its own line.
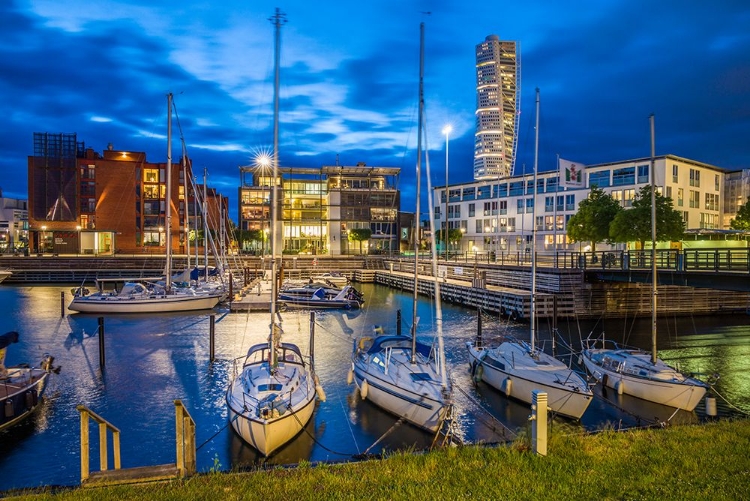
<point>516,368</point>
<point>143,297</point>
<point>637,372</point>
<point>271,396</point>
<point>404,376</point>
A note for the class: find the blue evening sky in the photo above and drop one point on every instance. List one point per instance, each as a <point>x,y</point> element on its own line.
<point>349,80</point>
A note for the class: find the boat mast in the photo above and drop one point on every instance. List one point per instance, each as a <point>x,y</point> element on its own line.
<point>186,234</point>
<point>533,229</point>
<point>168,208</point>
<point>277,19</point>
<point>416,213</point>
<point>205,226</point>
<point>653,244</point>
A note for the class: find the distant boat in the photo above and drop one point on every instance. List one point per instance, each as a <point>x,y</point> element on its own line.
<point>272,392</point>
<point>21,386</point>
<point>517,368</point>
<point>141,298</point>
<point>334,277</point>
<point>347,298</point>
<point>638,372</point>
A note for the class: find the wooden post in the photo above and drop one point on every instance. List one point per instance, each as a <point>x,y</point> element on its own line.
<point>101,342</point>
<point>84,443</point>
<point>212,328</point>
<point>62,304</point>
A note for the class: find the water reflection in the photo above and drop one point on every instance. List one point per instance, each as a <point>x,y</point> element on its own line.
<point>151,360</point>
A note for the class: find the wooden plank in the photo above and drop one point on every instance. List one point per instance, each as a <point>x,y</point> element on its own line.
<point>141,474</point>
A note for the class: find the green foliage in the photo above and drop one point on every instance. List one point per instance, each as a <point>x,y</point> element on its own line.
<point>595,214</point>
<point>359,235</point>
<point>454,235</point>
<point>635,224</point>
<point>742,220</point>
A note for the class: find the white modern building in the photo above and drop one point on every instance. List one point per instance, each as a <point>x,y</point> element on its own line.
<point>498,70</point>
<point>503,215</point>
<point>14,223</point>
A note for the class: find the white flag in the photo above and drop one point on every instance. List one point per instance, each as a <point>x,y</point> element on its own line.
<point>571,174</point>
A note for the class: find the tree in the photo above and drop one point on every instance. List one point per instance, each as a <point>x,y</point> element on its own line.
<point>454,235</point>
<point>635,224</point>
<point>595,214</point>
<point>742,220</point>
<point>359,235</point>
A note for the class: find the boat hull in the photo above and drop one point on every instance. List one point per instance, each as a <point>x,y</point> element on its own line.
<point>520,384</point>
<point>94,304</point>
<point>21,394</point>
<point>683,393</point>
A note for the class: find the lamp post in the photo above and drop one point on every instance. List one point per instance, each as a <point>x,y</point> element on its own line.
<point>44,239</point>
<point>78,229</point>
<point>447,131</point>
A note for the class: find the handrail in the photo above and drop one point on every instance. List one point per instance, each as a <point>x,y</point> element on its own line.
<point>104,425</point>
<point>185,440</point>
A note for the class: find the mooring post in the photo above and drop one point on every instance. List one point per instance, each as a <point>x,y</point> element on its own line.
<point>211,330</point>
<point>538,422</point>
<point>101,342</point>
<point>62,304</point>
<point>231,292</point>
<point>398,322</point>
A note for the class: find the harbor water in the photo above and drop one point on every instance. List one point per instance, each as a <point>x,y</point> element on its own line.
<point>152,360</point>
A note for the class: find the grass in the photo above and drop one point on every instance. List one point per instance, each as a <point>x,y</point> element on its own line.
<point>695,462</point>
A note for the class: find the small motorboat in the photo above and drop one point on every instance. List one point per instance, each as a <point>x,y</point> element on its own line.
<point>21,386</point>
<point>334,277</point>
<point>347,298</point>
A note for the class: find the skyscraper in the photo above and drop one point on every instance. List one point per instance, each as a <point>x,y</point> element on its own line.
<point>498,91</point>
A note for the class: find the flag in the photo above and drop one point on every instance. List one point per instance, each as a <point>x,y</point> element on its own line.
<point>571,174</point>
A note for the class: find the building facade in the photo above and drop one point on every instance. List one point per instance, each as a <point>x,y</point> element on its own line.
<point>14,224</point>
<point>498,71</point>
<point>506,215</point>
<point>319,207</point>
<point>84,202</point>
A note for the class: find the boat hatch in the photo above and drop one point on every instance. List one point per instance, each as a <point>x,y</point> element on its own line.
<point>269,387</point>
<point>420,376</point>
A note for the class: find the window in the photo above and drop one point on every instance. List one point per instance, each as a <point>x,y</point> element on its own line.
<point>712,201</point>
<point>151,175</point>
<point>530,187</point>
<point>487,209</point>
<point>454,195</point>
<point>643,173</point>
<point>479,225</point>
<point>540,185</point>
<point>468,193</point>
<point>520,204</point>
<point>560,204</point>
<point>549,204</point>
<point>680,196</point>
<point>695,178</point>
<point>600,179</point>
<point>516,188</point>
<point>695,199</point>
<point>539,222</point>
<point>709,220</point>
<point>716,182</point>
<point>483,192</point>
<point>500,190</point>
<point>503,207</point>
<point>511,224</point>
<point>442,196</point>
<point>471,210</point>
<point>570,202</point>
<point>552,184</point>
<point>623,176</point>
<point>675,172</point>
<point>627,197</point>
<point>529,205</point>
<point>437,212</point>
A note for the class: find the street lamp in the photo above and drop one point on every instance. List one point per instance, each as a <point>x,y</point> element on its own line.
<point>446,130</point>
<point>44,238</point>
<point>78,229</point>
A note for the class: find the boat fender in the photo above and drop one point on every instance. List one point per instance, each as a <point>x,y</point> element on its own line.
<point>319,389</point>
<point>580,360</point>
<point>478,372</point>
<point>605,380</point>
<point>711,406</point>
<point>506,386</point>
<point>350,377</point>
<point>620,387</point>
<point>364,389</point>
<point>9,410</point>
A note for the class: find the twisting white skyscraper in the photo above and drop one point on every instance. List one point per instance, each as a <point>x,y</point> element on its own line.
<point>498,106</point>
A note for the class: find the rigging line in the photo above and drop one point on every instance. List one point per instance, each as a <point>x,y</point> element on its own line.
<point>388,432</point>
<point>229,422</point>
<point>743,412</point>
<point>304,428</point>
<point>348,422</point>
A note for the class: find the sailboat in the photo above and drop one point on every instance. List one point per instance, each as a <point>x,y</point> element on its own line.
<point>398,373</point>
<point>516,368</point>
<point>272,394</point>
<point>637,372</point>
<point>149,297</point>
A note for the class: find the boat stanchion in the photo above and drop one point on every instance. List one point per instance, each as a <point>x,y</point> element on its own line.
<point>211,336</point>
<point>101,342</point>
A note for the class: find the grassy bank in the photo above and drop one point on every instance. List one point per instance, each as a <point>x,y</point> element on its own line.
<point>710,461</point>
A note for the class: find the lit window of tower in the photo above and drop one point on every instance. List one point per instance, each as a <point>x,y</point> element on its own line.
<point>498,91</point>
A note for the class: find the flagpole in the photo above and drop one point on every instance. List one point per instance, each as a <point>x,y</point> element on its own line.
<point>554,212</point>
